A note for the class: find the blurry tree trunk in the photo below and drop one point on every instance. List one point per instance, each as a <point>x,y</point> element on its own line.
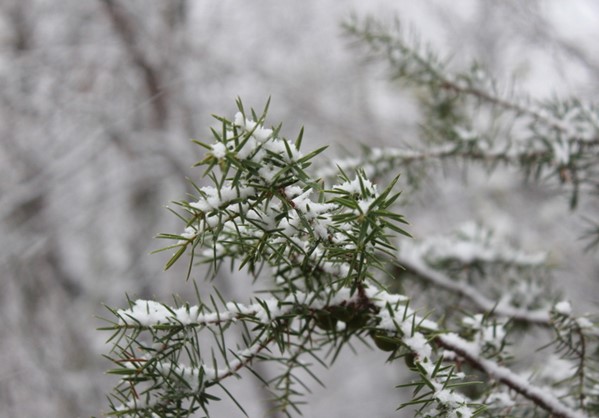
<point>125,28</point>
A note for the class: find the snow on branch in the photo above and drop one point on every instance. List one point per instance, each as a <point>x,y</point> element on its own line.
<point>147,313</point>
<point>191,380</point>
<point>426,259</point>
<point>262,194</point>
<point>543,398</point>
<point>331,251</point>
<point>559,138</point>
<point>473,243</point>
<point>389,314</point>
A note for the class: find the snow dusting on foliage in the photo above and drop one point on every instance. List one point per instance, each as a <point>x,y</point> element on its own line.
<point>563,307</point>
<point>331,253</point>
<point>473,243</point>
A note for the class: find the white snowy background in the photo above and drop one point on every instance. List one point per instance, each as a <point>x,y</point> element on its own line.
<point>99,101</point>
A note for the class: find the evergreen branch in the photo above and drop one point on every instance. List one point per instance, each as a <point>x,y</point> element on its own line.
<point>560,137</point>
<point>417,266</point>
<point>196,378</point>
<point>542,398</point>
<point>575,340</point>
<point>377,162</point>
<point>328,248</point>
<point>424,67</point>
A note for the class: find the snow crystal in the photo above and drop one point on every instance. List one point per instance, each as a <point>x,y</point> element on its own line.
<point>428,324</point>
<point>188,234</point>
<point>563,308</point>
<point>189,374</point>
<point>269,311</point>
<point>212,221</point>
<point>145,313</point>
<point>219,150</point>
<point>239,119</point>
<point>354,187</point>
<point>149,313</point>
<point>214,199</point>
<point>268,173</point>
<point>584,323</point>
<point>384,297</point>
<point>283,148</point>
<point>449,355</point>
<point>261,140</point>
<point>262,134</point>
<point>309,208</point>
<point>258,131</point>
<point>419,345</point>
<point>465,134</point>
<point>492,334</point>
<point>474,321</point>
<point>561,152</point>
<point>449,397</point>
<point>402,314</point>
<point>365,205</point>
<point>320,229</point>
<point>466,346</point>
<point>248,148</point>
<point>293,191</point>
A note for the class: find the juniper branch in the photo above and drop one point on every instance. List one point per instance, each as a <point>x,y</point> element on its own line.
<point>515,382</point>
